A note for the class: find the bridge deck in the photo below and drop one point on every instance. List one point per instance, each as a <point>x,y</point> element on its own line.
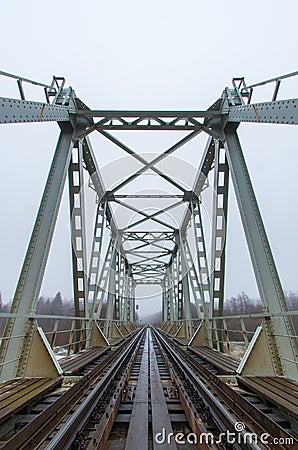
<point>224,362</point>
<point>279,391</point>
<point>19,392</point>
<point>72,364</point>
<point>182,341</point>
<point>115,341</point>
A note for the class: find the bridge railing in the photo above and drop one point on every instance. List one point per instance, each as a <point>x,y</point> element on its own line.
<point>246,92</point>
<point>51,91</point>
<point>66,335</point>
<point>230,333</point>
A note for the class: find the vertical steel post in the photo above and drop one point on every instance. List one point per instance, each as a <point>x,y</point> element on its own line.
<point>78,240</point>
<point>95,256</point>
<point>111,290</point>
<point>14,353</point>
<point>180,311</point>
<point>130,306</point>
<point>218,253</point>
<point>279,329</point>
<point>171,293</point>
<point>175,271</point>
<point>183,288</point>
<point>101,287</point>
<point>125,295</point>
<point>164,301</point>
<point>193,277</point>
<point>133,301</point>
<point>203,271</point>
<point>117,294</point>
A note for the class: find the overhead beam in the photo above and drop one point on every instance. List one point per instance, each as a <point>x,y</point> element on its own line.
<point>112,114</point>
<point>19,111</point>
<point>280,111</point>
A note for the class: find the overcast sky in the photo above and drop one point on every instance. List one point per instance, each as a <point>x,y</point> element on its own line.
<point>148,55</point>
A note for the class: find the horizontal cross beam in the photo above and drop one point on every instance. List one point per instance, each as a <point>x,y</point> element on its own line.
<point>281,111</point>
<point>19,111</point>
<point>118,114</point>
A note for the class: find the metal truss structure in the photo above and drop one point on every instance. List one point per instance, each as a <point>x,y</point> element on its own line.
<point>163,239</point>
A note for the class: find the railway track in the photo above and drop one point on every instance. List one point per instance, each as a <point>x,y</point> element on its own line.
<point>151,393</point>
<point>43,426</point>
<point>230,410</point>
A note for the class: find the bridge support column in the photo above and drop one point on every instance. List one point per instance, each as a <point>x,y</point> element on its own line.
<point>129,310</point>
<point>95,259</point>
<point>218,249</point>
<point>101,285</point>
<point>111,293</point>
<point>78,245</point>
<point>278,330</point>
<point>16,353</point>
<point>203,277</point>
<point>184,312</point>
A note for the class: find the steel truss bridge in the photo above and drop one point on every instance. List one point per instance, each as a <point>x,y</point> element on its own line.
<point>118,384</point>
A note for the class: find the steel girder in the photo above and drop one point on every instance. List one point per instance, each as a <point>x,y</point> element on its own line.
<point>167,298</point>
<point>202,261</point>
<point>218,240</point>
<point>96,252</point>
<point>78,227</point>
<point>78,241</point>
<point>15,352</point>
<point>131,310</point>
<point>20,111</point>
<point>279,330</point>
<point>101,283</point>
<point>274,111</point>
<point>282,112</point>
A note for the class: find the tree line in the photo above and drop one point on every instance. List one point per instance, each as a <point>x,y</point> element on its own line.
<point>241,304</point>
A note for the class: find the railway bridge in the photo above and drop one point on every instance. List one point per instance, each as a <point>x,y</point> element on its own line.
<point>99,379</point>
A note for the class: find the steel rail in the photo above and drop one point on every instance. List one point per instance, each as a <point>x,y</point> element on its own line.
<point>204,380</point>
<point>222,417</point>
<point>97,431</point>
<point>66,435</point>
